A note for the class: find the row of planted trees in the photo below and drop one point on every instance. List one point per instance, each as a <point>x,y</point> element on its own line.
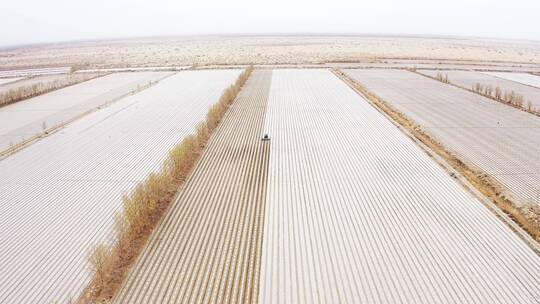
<point>509,97</point>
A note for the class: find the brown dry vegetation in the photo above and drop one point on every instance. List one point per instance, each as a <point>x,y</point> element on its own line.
<point>507,97</point>
<point>145,206</point>
<point>24,92</point>
<point>442,77</point>
<point>526,215</point>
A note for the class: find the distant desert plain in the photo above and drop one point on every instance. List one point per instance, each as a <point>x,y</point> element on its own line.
<point>208,51</point>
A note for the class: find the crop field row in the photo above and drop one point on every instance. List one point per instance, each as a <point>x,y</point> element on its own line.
<point>59,195</point>
<point>499,140</point>
<point>134,69</point>
<point>468,80</point>
<point>25,119</point>
<point>34,72</point>
<point>524,78</point>
<point>4,81</point>
<point>21,81</point>
<point>207,248</point>
<point>356,212</point>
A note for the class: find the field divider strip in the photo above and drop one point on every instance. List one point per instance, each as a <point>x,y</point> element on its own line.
<point>489,192</point>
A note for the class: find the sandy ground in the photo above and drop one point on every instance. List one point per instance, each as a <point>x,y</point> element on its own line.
<point>266,50</point>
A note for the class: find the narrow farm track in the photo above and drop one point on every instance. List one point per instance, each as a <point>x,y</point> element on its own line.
<point>497,139</point>
<point>59,195</point>
<point>207,248</point>
<point>356,212</point>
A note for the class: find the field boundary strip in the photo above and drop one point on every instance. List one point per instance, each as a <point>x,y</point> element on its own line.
<point>488,188</point>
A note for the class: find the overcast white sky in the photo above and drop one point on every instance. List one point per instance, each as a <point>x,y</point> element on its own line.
<point>33,21</point>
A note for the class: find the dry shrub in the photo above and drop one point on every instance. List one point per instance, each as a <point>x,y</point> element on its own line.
<point>99,262</point>
<point>488,90</point>
<point>498,93</point>
<point>442,77</point>
<point>512,98</point>
<point>24,92</point>
<point>478,87</point>
<point>145,205</point>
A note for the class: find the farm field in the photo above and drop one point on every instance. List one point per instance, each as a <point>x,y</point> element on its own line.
<point>133,69</point>
<point>411,64</point>
<point>356,211</point>
<point>207,248</point>
<point>34,80</point>
<point>524,78</point>
<point>25,119</point>
<point>59,195</point>
<point>467,79</point>
<point>338,204</point>
<point>499,140</point>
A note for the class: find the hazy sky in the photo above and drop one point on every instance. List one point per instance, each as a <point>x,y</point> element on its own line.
<point>31,21</point>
